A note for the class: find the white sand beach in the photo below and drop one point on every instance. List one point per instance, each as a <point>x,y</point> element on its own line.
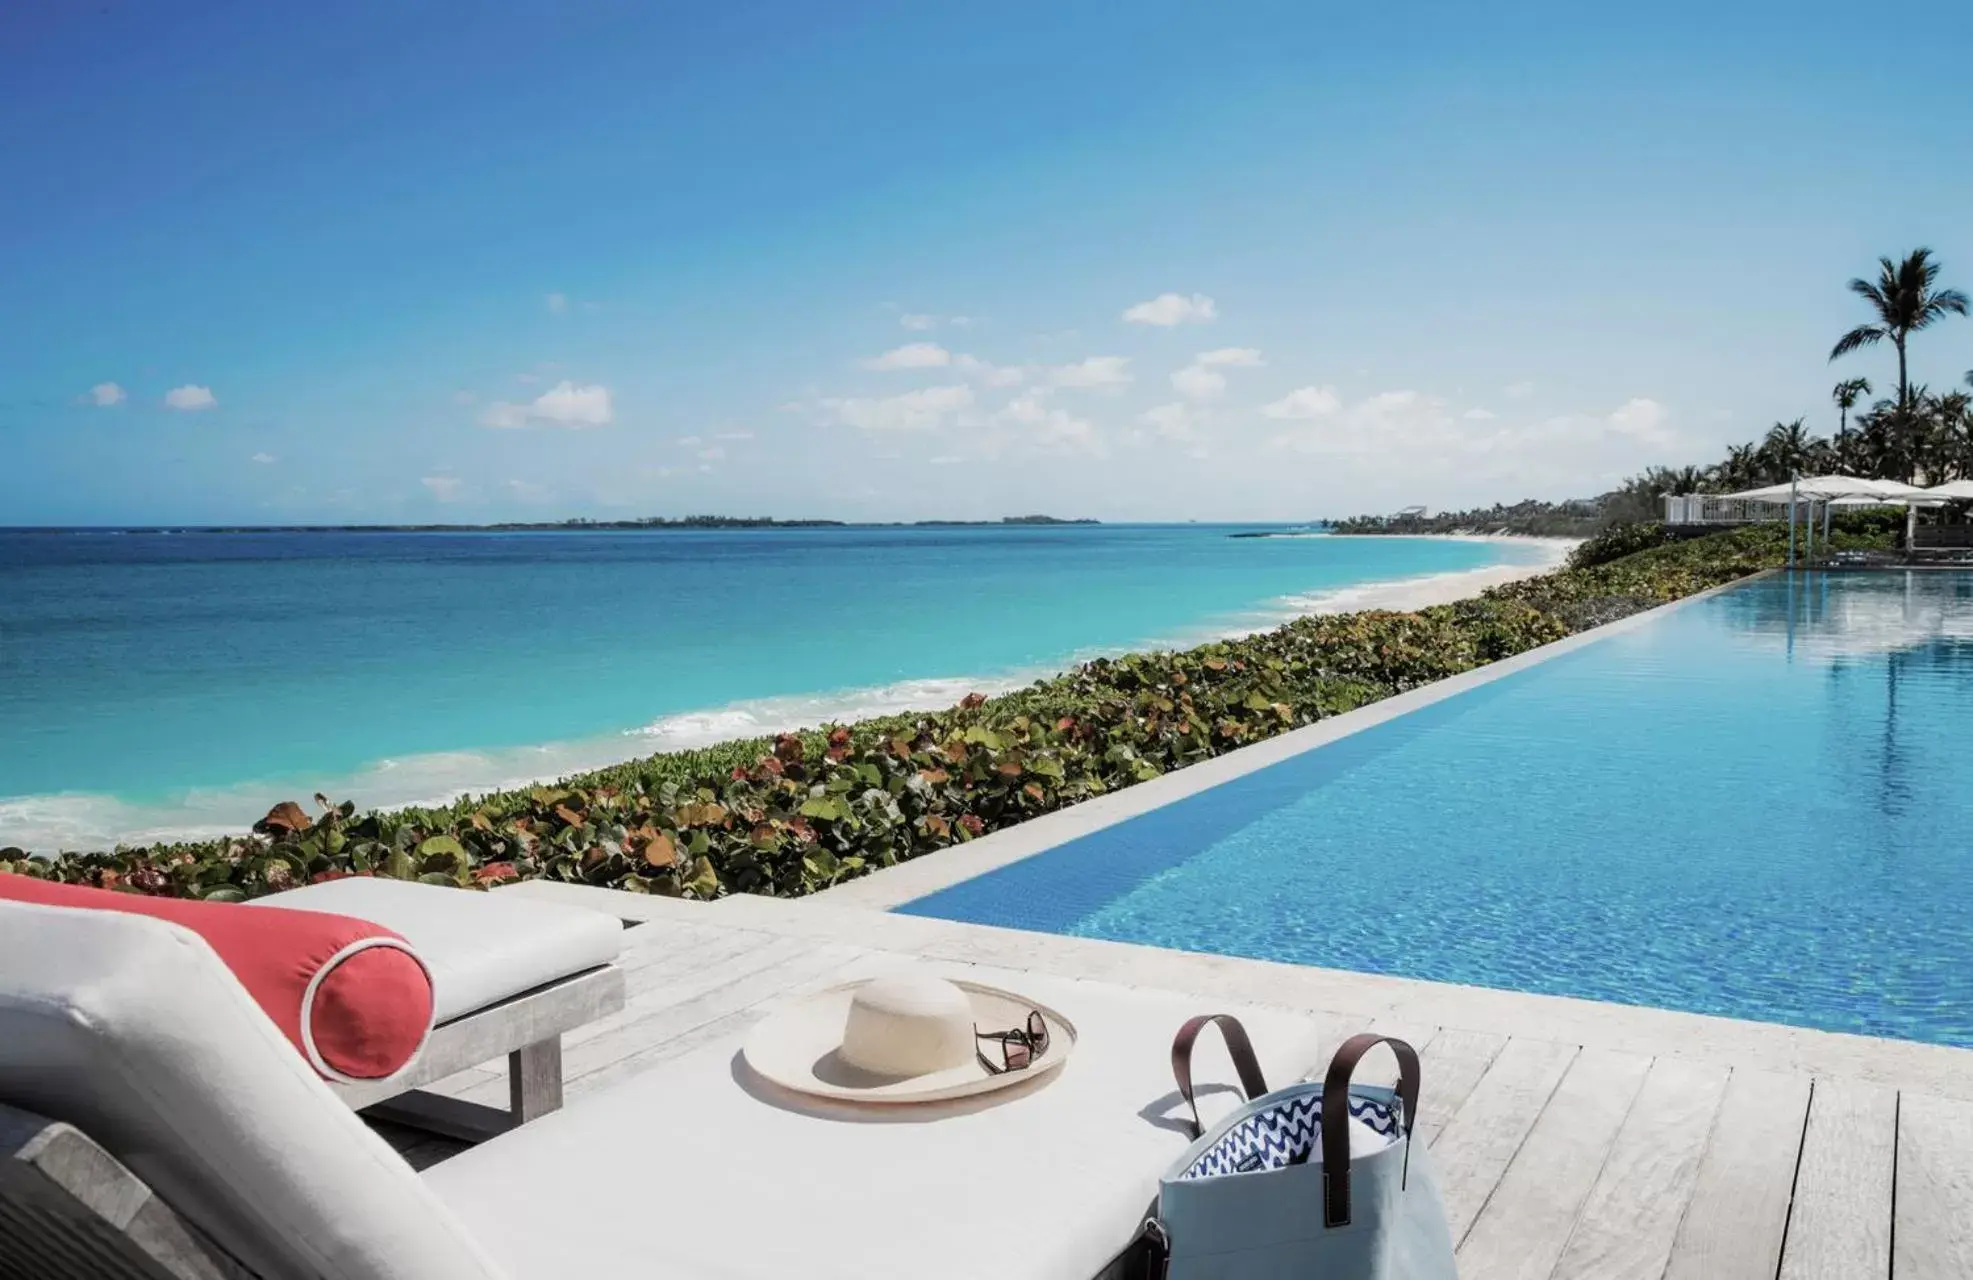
<point>1444,588</point>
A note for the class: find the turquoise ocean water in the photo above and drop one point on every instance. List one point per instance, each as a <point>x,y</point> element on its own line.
<point>179,683</point>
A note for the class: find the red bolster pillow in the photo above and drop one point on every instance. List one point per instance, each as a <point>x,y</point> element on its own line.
<point>351,996</point>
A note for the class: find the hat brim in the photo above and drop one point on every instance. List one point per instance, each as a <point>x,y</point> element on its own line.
<point>796,1048</point>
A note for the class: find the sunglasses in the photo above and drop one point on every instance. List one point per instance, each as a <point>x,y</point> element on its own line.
<point>1017,1048</point>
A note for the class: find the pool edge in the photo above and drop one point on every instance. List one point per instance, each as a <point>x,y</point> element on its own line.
<point>891,887</point>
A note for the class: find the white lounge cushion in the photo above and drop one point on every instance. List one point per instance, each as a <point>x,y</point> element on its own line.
<point>481,948</point>
<point>1050,1181</point>
<point>132,1030</point>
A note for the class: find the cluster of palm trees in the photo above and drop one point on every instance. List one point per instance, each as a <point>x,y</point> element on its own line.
<point>1916,435</point>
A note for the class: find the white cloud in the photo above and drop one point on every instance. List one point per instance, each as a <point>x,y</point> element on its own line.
<point>1168,309</point>
<point>920,410</point>
<point>562,405</point>
<point>912,355</point>
<point>105,394</point>
<point>1172,421</point>
<point>1642,418</point>
<point>263,458</point>
<point>1477,414</point>
<point>689,442</point>
<point>733,435</point>
<point>1397,422</point>
<point>1095,372</point>
<point>1304,403</point>
<point>712,453</point>
<point>191,398</point>
<point>1197,382</point>
<point>444,488</point>
<point>557,304</point>
<point>1461,457</point>
<point>921,323</point>
<point>504,415</point>
<point>992,375</point>
<point>947,460</point>
<point>574,406</point>
<point>1201,380</point>
<point>1519,390</point>
<point>1047,428</point>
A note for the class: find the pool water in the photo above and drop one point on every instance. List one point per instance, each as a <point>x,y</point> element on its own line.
<point>1759,805</point>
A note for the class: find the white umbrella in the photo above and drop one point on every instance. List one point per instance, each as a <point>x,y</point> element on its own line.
<point>1825,488</point>
<point>1960,489</point>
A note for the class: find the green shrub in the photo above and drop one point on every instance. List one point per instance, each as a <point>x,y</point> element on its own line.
<point>1618,541</point>
<point>797,813</point>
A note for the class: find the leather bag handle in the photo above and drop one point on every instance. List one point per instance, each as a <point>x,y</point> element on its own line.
<point>1336,1116</point>
<point>1238,1047</point>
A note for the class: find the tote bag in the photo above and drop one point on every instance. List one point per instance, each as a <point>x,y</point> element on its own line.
<point>1312,1182</point>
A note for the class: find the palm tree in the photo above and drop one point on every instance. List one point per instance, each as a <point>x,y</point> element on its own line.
<point>1788,445</point>
<point>1846,395</point>
<point>1741,468</point>
<point>1905,302</point>
<point>1951,417</point>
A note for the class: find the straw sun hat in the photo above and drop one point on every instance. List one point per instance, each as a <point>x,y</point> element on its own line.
<point>900,1039</point>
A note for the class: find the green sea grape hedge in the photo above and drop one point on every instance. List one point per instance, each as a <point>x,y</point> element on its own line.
<point>796,813</point>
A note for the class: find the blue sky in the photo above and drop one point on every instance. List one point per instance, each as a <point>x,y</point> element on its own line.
<point>378,262</point>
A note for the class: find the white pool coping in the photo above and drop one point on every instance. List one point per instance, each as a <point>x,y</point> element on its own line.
<point>891,887</point>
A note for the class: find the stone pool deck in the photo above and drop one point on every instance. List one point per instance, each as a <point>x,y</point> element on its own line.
<point>1573,1138</point>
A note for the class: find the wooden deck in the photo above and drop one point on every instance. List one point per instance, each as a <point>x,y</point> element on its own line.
<point>1572,1139</point>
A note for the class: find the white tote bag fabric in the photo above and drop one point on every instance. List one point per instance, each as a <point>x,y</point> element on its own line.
<point>1316,1180</point>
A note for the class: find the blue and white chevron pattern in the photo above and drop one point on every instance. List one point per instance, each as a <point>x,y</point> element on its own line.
<point>1285,1133</point>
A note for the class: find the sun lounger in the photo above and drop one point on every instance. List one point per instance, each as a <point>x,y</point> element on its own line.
<point>198,1128</point>
<point>510,975</point>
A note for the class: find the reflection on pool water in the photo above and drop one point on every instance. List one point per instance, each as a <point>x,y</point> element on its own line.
<point>1758,805</point>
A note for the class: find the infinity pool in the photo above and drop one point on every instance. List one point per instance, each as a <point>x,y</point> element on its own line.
<point>1758,805</point>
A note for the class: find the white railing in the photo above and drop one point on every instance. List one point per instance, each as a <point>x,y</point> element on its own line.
<point>1701,508</point>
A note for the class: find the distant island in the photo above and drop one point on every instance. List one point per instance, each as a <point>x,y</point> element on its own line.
<point>586,525</point>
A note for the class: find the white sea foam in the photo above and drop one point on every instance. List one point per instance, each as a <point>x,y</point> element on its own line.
<point>76,820</point>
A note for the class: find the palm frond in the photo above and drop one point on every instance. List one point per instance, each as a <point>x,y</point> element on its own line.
<point>1864,335</point>
<point>1877,294</point>
<point>1940,305</point>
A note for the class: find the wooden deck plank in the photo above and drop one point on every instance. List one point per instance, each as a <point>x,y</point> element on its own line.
<point>1840,1226</point>
<point>1523,1227</point>
<point>1933,1239</point>
<point>1631,1219</point>
<point>672,952</point>
<point>1451,1064</point>
<point>1474,1149</point>
<point>653,990</point>
<point>1738,1213</point>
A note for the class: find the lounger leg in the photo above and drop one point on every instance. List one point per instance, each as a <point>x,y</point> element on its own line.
<point>534,1079</point>
<point>534,1088</point>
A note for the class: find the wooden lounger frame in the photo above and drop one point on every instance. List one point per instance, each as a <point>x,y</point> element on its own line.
<point>70,1211</point>
<point>527,1028</point>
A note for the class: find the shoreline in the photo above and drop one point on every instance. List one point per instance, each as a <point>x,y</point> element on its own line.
<point>1405,594</point>
<point>54,821</point>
